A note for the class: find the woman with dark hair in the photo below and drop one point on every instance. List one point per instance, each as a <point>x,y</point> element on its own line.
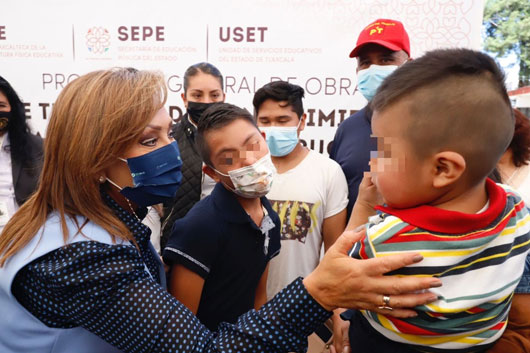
<point>203,86</point>
<point>20,154</point>
<point>513,167</point>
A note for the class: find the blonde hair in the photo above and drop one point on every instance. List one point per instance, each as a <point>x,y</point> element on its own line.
<point>95,119</point>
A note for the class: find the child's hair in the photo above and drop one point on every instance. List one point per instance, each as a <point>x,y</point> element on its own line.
<point>216,117</point>
<point>457,101</point>
<point>280,91</point>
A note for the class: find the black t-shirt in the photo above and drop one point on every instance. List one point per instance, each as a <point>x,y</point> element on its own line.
<point>219,241</point>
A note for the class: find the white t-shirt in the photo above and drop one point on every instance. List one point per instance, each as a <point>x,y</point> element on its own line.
<point>303,197</point>
<point>207,185</point>
<point>152,220</point>
<point>524,186</point>
<point>8,203</point>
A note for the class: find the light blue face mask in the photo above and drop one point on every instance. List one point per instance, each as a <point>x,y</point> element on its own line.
<point>281,139</point>
<point>369,80</point>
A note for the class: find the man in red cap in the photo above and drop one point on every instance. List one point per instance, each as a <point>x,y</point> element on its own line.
<point>382,46</point>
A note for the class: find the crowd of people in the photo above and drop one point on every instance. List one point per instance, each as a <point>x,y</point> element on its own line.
<point>127,232</point>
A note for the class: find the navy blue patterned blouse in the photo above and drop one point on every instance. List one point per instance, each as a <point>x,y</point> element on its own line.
<point>106,290</point>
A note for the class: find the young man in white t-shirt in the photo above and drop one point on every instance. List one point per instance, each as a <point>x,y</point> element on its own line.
<point>309,192</point>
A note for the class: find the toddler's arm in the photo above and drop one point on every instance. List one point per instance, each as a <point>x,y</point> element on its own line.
<point>367,198</point>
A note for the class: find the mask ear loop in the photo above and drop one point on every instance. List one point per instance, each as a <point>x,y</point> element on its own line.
<point>218,172</point>
<point>126,199</point>
<point>225,175</point>
<point>190,119</point>
<point>114,184</point>
<point>299,123</point>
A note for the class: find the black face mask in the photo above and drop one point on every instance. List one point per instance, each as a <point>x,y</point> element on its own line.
<point>196,109</point>
<point>4,120</point>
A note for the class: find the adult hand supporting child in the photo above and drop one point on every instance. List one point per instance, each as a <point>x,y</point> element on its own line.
<point>340,281</point>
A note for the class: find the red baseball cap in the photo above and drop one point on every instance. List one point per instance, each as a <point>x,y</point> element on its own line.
<point>388,33</point>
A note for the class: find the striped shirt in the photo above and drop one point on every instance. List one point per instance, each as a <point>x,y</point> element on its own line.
<point>479,258</point>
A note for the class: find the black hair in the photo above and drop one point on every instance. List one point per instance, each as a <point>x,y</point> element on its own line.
<point>455,100</point>
<point>216,117</point>
<point>205,68</point>
<point>434,66</point>
<point>280,91</point>
<point>520,144</point>
<point>17,127</point>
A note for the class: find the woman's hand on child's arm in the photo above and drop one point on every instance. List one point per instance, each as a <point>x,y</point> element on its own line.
<point>367,198</point>
<point>340,281</point>
<point>341,341</point>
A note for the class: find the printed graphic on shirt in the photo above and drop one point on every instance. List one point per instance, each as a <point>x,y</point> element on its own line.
<point>297,218</point>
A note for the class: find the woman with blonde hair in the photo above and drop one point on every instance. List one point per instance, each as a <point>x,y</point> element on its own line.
<point>77,270</point>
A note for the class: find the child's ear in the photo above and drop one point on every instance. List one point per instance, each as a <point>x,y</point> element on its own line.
<point>449,167</point>
<point>211,173</point>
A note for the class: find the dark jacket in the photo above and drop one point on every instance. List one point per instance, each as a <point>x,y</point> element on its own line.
<point>189,192</point>
<point>26,173</point>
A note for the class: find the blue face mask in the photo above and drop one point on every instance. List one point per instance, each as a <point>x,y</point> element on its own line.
<point>281,140</point>
<point>369,80</point>
<point>156,176</point>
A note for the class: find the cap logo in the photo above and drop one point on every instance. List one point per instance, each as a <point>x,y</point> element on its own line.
<point>376,30</point>
<point>379,27</point>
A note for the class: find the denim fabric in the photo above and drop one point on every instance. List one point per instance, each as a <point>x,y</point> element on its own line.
<point>524,284</point>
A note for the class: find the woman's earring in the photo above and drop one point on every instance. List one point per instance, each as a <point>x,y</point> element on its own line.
<point>102,179</point>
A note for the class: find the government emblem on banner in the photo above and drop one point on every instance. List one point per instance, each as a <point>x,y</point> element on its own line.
<point>98,40</point>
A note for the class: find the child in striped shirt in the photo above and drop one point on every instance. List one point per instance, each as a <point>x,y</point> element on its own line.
<point>442,122</point>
